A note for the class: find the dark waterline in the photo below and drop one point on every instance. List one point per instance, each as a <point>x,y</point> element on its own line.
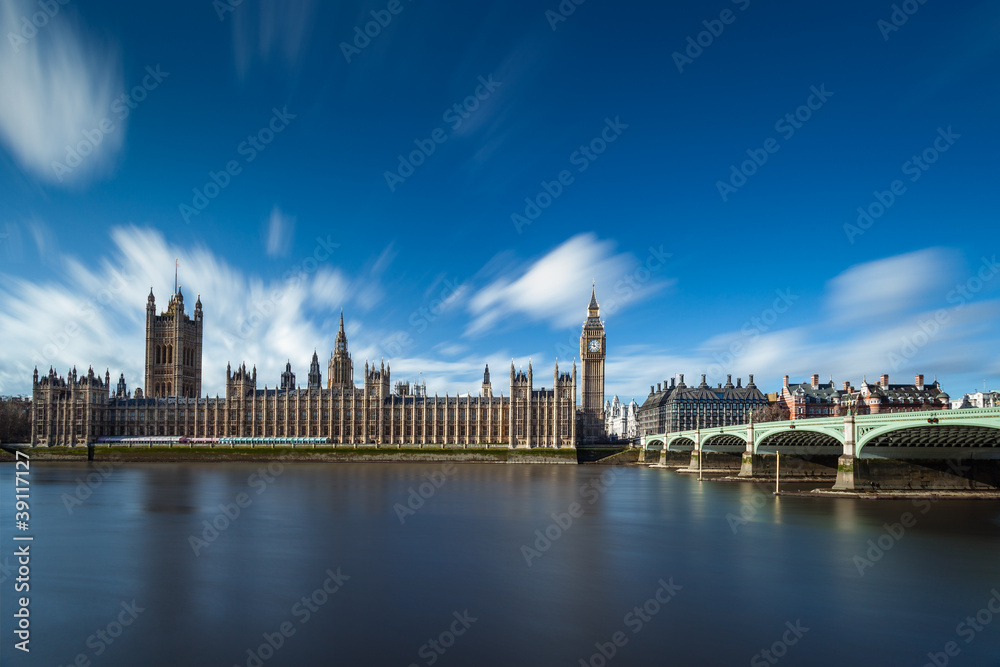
<point>736,587</point>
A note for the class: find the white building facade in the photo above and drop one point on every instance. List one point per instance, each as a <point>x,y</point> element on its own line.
<point>621,421</point>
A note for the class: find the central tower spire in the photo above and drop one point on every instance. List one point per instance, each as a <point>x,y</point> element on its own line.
<point>341,371</point>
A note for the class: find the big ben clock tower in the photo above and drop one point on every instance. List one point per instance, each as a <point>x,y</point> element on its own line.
<point>592,352</point>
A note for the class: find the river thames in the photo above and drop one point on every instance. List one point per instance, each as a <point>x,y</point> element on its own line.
<point>476,564</point>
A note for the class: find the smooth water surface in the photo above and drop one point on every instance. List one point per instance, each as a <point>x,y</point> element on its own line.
<point>677,571</point>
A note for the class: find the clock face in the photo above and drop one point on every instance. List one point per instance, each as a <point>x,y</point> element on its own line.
<point>595,345</point>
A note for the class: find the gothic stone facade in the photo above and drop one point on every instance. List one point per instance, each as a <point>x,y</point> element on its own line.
<point>592,356</point>
<point>173,349</point>
<point>80,410</point>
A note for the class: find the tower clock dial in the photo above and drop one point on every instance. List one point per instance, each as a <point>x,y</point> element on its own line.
<point>594,345</point>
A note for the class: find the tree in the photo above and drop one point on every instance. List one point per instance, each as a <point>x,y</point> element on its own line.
<point>15,419</point>
<point>769,413</point>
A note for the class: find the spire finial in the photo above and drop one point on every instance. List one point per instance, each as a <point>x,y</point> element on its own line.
<point>593,307</point>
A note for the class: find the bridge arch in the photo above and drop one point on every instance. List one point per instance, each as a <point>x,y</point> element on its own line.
<point>809,440</point>
<point>724,442</point>
<point>958,433</point>
<point>654,444</point>
<point>680,444</point>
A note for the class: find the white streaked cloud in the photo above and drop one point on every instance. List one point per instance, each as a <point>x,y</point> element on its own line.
<point>552,288</point>
<point>92,312</point>
<point>912,327</point>
<point>280,233</point>
<point>886,287</point>
<point>270,31</point>
<point>59,85</point>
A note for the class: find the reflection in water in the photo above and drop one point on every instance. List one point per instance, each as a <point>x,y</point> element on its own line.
<point>220,556</point>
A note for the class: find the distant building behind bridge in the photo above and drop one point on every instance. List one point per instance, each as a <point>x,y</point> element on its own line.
<point>674,406</point>
<point>621,421</point>
<point>811,400</point>
<point>979,399</point>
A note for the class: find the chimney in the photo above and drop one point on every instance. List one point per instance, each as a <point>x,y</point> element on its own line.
<point>657,386</point>
<point>650,389</point>
<point>884,380</point>
<point>739,382</point>
<point>919,382</point>
<point>673,382</point>
<point>847,386</point>
<point>786,381</point>
<point>815,381</point>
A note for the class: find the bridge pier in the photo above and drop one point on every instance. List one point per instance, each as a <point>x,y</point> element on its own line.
<point>696,452</point>
<point>846,479</point>
<point>746,464</point>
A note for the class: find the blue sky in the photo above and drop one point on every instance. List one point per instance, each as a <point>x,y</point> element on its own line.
<point>704,161</point>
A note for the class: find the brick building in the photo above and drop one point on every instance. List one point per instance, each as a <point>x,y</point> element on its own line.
<point>810,400</point>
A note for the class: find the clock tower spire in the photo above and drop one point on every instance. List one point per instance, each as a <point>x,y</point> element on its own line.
<point>592,354</point>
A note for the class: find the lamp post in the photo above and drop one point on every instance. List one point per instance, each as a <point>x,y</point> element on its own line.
<point>700,451</point>
<point>777,471</point>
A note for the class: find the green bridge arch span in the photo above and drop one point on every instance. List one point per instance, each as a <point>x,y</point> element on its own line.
<point>973,429</point>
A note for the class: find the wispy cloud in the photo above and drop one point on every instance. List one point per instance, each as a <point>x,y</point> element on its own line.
<point>891,315</point>
<point>59,85</point>
<point>886,287</point>
<point>280,232</point>
<point>270,31</point>
<point>552,288</point>
<point>91,312</point>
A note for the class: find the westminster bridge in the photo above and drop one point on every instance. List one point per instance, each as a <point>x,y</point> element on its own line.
<point>928,449</point>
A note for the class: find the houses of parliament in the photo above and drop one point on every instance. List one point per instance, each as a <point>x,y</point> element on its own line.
<point>84,409</point>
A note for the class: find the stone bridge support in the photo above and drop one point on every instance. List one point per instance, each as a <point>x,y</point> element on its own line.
<point>746,465</point>
<point>696,452</point>
<point>846,480</point>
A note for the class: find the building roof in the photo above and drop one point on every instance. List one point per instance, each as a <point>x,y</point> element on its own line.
<point>824,393</point>
<point>904,393</point>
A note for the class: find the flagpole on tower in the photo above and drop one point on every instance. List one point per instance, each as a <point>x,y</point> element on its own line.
<point>177,263</point>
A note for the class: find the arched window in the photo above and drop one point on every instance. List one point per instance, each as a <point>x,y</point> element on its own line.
<point>170,354</point>
<point>156,354</point>
<point>168,388</point>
